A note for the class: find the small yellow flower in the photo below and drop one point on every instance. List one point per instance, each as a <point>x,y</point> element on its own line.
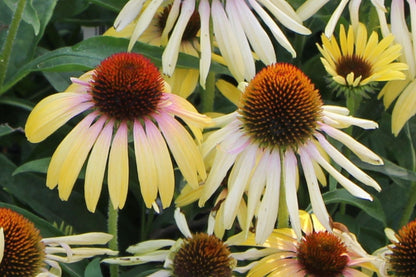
<point>356,63</point>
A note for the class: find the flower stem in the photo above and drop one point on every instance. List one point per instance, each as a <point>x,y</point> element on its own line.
<point>8,45</point>
<point>411,203</point>
<point>113,230</point>
<point>209,94</point>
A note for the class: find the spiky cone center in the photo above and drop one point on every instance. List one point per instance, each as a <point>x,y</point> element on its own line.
<point>402,260</point>
<point>353,63</point>
<point>280,107</point>
<point>203,255</point>
<point>322,254</point>
<point>191,29</point>
<point>126,86</point>
<point>23,250</point>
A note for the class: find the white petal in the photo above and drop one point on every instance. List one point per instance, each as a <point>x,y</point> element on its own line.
<point>182,223</point>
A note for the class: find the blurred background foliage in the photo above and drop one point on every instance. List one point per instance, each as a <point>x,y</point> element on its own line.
<point>60,39</point>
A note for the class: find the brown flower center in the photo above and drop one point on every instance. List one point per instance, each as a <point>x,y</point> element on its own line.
<point>280,107</point>
<point>353,63</point>
<point>23,250</point>
<point>203,255</point>
<point>322,254</point>
<point>126,86</point>
<point>191,29</point>
<point>403,258</point>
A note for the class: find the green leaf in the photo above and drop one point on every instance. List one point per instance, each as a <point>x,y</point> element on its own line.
<point>17,102</point>
<point>6,129</point>
<point>372,208</point>
<point>93,269</point>
<point>30,16</point>
<point>114,5</point>
<point>89,53</point>
<point>39,166</point>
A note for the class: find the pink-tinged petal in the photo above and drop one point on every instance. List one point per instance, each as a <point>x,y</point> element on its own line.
<point>256,186</point>
<point>94,173</point>
<point>290,171</point>
<point>59,156</point>
<point>165,175</point>
<point>205,59</point>
<point>269,205</point>
<point>76,157</point>
<point>317,202</point>
<point>53,112</point>
<point>237,183</point>
<point>145,163</point>
<point>118,168</point>
<point>183,148</point>
<point>219,136</point>
<point>341,160</point>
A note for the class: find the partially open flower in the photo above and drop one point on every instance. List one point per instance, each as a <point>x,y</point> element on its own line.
<point>23,252</point>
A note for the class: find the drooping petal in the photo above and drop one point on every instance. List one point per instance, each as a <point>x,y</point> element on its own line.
<point>165,175</point>
<point>94,173</point>
<point>205,59</point>
<point>53,112</point>
<point>146,167</point>
<point>118,168</point>
<point>59,156</point>
<point>76,157</point>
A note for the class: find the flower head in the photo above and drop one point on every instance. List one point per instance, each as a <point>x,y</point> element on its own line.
<point>199,254</point>
<point>357,64</point>
<point>23,252</point>
<point>318,253</point>
<point>281,117</point>
<point>124,94</point>
<point>398,258</point>
<point>404,91</point>
<point>236,28</point>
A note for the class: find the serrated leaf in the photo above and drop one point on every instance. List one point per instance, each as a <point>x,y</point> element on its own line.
<point>372,208</point>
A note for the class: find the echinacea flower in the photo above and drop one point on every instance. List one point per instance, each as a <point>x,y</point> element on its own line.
<point>399,258</point>
<point>23,252</point>
<point>310,7</point>
<point>404,91</point>
<point>281,117</point>
<point>124,95</point>
<point>235,26</point>
<point>183,81</point>
<point>199,254</point>
<point>356,64</point>
<point>317,253</point>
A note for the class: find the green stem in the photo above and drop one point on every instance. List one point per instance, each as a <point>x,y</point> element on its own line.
<point>209,94</point>
<point>113,230</point>
<point>283,214</point>
<point>411,203</point>
<point>8,45</point>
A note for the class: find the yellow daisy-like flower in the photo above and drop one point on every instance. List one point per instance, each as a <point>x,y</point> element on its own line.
<point>317,253</point>
<point>23,252</point>
<point>200,254</point>
<point>182,81</point>
<point>281,118</point>
<point>235,24</point>
<point>357,62</point>
<point>124,94</point>
<point>404,91</point>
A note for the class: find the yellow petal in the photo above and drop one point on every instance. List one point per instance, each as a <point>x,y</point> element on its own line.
<point>53,112</point>
<point>146,167</point>
<point>230,91</point>
<point>118,168</point>
<point>404,109</point>
<point>94,174</point>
